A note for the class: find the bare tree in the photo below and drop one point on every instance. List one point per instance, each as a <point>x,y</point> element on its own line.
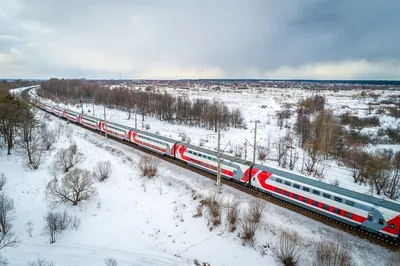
<point>76,186</point>
<point>8,240</point>
<point>148,166</point>
<point>288,251</point>
<point>31,142</point>
<point>392,189</point>
<point>332,253</point>
<point>357,159</point>
<point>7,211</point>
<point>378,171</point>
<point>7,237</point>
<point>65,159</point>
<point>3,180</point>
<point>56,223</point>
<point>11,112</point>
<point>233,214</point>
<point>111,262</point>
<point>102,170</point>
<point>41,262</point>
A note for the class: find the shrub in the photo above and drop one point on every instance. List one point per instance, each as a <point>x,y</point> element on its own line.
<point>102,170</point>
<point>233,215</point>
<point>247,230</point>
<point>202,142</point>
<point>29,228</point>
<point>41,262</point>
<point>49,138</point>
<point>65,159</point>
<point>356,122</point>
<point>183,136</point>
<point>333,253</point>
<point>3,181</point>
<point>76,186</point>
<point>213,205</point>
<point>3,261</point>
<point>111,262</point>
<point>256,208</point>
<point>288,251</point>
<point>147,126</point>
<point>148,166</point>
<point>56,223</point>
<point>262,152</point>
<point>238,151</point>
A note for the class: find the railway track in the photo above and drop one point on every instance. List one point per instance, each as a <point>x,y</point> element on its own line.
<point>381,240</point>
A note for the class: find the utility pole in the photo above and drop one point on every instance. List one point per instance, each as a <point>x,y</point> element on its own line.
<point>135,117</point>
<point>255,142</point>
<point>93,106</point>
<point>82,104</point>
<point>219,162</point>
<point>105,121</point>
<point>245,150</point>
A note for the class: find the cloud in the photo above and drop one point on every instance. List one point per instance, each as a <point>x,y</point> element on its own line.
<point>345,70</point>
<point>199,39</point>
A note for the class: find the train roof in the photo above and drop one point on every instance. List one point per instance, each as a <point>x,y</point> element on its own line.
<point>388,204</point>
<point>140,131</point>
<point>214,153</point>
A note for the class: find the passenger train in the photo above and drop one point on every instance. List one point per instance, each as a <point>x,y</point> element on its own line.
<point>347,206</point>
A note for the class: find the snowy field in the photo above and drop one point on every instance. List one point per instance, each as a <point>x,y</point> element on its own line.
<point>148,222</point>
<point>261,106</point>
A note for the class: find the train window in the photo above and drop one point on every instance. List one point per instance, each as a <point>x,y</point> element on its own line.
<point>279,180</point>
<point>278,190</point>
<point>326,196</point>
<point>348,202</point>
<point>296,186</point>
<point>306,189</point>
<point>380,221</point>
<point>304,199</point>
<point>287,183</point>
<point>369,217</point>
<point>209,158</point>
<point>296,196</point>
<point>316,192</point>
<point>287,193</point>
<point>336,210</point>
<point>348,215</point>
<point>324,206</point>
<point>315,203</point>
<point>337,199</point>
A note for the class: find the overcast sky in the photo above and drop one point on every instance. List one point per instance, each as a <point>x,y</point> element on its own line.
<point>169,39</point>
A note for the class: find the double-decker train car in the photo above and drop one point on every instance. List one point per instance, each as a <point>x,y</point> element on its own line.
<point>377,215</point>
<point>347,206</point>
<point>151,141</point>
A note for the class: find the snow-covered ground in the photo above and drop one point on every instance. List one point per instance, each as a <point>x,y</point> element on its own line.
<point>148,222</point>
<point>261,106</point>
<point>18,91</point>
